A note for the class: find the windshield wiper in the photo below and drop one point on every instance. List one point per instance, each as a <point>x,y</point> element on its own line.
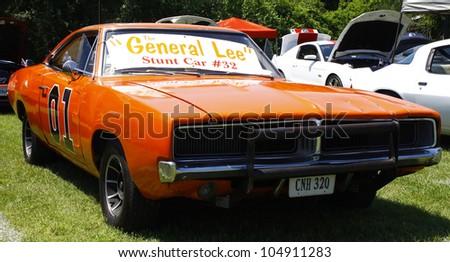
<point>133,71</point>
<point>193,73</point>
<point>246,74</point>
<point>169,71</point>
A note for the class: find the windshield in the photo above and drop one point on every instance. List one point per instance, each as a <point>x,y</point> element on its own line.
<point>406,57</point>
<point>326,50</point>
<point>163,52</point>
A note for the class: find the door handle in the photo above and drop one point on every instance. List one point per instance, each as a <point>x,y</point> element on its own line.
<point>43,88</point>
<point>423,83</point>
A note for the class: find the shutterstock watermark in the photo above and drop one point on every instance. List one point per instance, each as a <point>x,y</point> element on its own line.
<point>194,124</point>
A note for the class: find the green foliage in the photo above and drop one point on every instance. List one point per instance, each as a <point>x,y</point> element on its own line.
<point>348,10</point>
<point>430,25</point>
<point>51,20</point>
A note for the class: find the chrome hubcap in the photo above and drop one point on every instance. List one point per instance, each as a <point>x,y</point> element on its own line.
<point>28,139</point>
<point>114,186</point>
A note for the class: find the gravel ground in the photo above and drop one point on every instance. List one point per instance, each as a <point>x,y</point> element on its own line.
<point>7,233</point>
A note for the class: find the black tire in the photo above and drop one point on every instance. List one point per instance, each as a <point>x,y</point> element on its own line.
<point>122,204</point>
<point>333,80</point>
<point>34,151</point>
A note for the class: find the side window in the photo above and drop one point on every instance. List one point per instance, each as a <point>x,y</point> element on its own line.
<point>307,50</point>
<point>439,61</point>
<point>78,53</point>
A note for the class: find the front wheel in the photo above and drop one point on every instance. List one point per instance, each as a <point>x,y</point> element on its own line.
<point>122,204</point>
<point>333,80</point>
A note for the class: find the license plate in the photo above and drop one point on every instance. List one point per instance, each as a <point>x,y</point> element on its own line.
<point>311,186</point>
<point>3,91</point>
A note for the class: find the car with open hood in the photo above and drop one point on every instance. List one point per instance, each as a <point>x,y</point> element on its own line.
<point>370,40</point>
<point>12,46</point>
<point>160,111</point>
<point>308,63</point>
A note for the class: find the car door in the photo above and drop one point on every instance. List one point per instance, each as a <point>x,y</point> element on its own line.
<point>306,68</point>
<point>433,88</point>
<point>63,91</point>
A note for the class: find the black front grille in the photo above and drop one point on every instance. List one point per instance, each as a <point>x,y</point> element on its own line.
<point>412,134</point>
<point>227,140</point>
<point>356,142</point>
<point>231,140</point>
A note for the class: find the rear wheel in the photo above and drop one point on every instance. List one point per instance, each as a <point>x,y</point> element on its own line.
<point>122,204</point>
<point>333,80</point>
<point>34,151</point>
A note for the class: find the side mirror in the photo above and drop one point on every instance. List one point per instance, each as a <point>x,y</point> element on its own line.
<point>310,57</point>
<point>69,66</point>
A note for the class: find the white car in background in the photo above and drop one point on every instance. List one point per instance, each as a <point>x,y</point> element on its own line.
<point>308,63</point>
<point>423,77</point>
<point>368,40</point>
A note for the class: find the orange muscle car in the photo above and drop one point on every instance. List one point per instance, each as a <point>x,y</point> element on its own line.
<point>158,111</point>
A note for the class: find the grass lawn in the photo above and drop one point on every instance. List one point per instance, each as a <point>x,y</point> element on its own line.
<point>59,202</point>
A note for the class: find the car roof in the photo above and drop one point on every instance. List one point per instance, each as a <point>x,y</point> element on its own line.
<point>438,43</point>
<point>188,19</point>
<point>112,26</point>
<point>321,42</point>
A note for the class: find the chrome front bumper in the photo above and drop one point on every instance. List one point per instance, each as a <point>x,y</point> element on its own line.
<point>170,171</point>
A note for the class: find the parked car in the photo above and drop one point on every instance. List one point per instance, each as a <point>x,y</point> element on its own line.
<point>368,40</point>
<point>12,43</point>
<point>411,40</point>
<point>308,63</point>
<point>188,19</point>
<point>159,111</point>
<point>422,77</point>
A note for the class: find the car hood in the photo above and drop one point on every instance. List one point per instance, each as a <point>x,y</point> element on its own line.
<point>371,32</point>
<point>12,43</point>
<point>244,98</point>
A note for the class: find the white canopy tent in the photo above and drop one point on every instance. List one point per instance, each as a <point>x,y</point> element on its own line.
<point>426,6</point>
<point>429,6</point>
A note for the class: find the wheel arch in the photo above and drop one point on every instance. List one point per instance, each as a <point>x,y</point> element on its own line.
<point>389,93</point>
<point>20,109</point>
<point>99,141</point>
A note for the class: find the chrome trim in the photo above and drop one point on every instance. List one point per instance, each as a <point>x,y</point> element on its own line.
<point>426,157</point>
<point>317,122</point>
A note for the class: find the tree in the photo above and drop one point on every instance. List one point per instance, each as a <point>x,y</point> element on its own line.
<point>51,20</point>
